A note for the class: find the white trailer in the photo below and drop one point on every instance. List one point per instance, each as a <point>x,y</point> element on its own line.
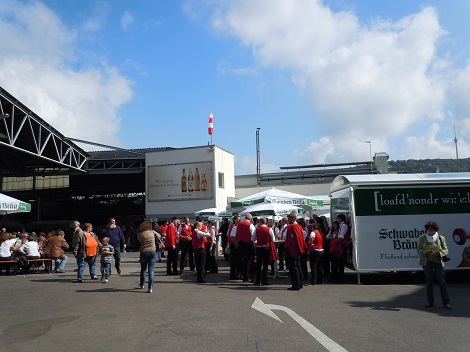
<point>387,214</point>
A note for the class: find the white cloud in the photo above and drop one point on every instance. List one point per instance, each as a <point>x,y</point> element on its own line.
<point>376,79</point>
<point>98,18</point>
<point>432,145</point>
<point>38,69</point>
<point>126,20</point>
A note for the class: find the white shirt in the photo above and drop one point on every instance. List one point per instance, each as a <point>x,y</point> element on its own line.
<point>343,228</point>
<point>30,248</point>
<point>5,247</point>
<point>233,233</point>
<point>212,233</point>
<point>203,234</point>
<point>284,232</point>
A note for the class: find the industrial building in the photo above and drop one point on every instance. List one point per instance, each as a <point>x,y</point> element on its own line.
<point>63,182</point>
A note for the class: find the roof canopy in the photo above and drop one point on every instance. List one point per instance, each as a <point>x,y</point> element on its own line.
<point>344,181</point>
<point>268,209</point>
<point>274,195</point>
<point>213,212</point>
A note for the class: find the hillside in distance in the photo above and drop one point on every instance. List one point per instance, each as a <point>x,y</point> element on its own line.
<point>429,166</point>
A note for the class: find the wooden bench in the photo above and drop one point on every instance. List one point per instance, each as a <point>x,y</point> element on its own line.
<point>32,261</point>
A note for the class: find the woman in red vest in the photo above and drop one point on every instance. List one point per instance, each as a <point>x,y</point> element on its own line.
<point>315,248</point>
<point>198,240</point>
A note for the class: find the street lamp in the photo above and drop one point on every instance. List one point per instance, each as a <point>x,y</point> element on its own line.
<point>370,155</point>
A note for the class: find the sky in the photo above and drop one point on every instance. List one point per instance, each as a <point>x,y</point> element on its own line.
<point>324,81</point>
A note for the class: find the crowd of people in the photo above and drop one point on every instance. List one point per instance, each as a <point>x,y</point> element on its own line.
<point>17,249</point>
<point>251,245</point>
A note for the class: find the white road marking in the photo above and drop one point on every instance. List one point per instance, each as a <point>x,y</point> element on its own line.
<point>267,309</point>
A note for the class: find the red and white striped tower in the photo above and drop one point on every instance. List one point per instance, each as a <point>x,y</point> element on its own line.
<point>211,125</point>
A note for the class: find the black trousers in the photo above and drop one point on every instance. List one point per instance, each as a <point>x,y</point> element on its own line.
<point>303,265</point>
<point>295,272</point>
<point>262,262</point>
<point>234,262</point>
<point>246,251</point>
<point>186,249</point>
<point>316,267</point>
<point>337,268</point>
<point>281,255</point>
<point>224,245</point>
<point>171,261</point>
<point>200,256</point>
<point>117,258</point>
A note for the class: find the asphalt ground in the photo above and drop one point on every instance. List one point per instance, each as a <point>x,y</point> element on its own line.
<point>50,312</point>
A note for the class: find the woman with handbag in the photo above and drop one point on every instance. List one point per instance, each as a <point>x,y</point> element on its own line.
<point>432,248</point>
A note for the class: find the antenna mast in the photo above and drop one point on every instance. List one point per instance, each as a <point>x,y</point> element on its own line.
<point>455,141</point>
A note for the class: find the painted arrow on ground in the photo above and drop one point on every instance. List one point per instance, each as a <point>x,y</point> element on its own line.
<point>267,309</point>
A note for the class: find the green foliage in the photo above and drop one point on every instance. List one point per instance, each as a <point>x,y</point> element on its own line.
<point>429,166</point>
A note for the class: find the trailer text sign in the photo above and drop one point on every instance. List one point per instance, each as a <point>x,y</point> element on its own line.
<point>395,201</point>
<point>389,221</point>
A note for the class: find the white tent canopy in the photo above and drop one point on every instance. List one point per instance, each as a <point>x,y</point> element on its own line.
<point>269,209</point>
<point>274,195</point>
<point>10,205</point>
<point>213,212</point>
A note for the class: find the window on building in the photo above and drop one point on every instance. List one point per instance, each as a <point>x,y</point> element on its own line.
<point>221,180</point>
<point>39,182</point>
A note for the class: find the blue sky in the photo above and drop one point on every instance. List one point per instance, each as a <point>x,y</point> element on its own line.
<point>318,77</point>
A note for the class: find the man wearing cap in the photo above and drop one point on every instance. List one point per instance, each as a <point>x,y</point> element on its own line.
<point>295,246</point>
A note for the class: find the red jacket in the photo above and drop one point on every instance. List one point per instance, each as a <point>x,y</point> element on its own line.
<point>170,238</point>
<point>295,240</point>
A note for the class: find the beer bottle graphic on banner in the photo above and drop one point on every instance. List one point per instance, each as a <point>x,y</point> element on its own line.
<point>197,181</point>
<point>204,183</point>
<point>190,181</point>
<point>184,187</point>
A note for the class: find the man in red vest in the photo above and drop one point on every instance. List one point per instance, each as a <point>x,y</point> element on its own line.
<point>245,237</point>
<point>295,246</point>
<point>184,232</point>
<point>264,238</point>
<point>170,246</point>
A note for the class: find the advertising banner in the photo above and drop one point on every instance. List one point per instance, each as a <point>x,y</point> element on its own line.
<point>180,181</point>
<point>389,221</point>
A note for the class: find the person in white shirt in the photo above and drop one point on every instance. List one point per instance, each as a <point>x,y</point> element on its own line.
<point>282,238</point>
<point>211,245</point>
<point>30,247</point>
<point>234,255</point>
